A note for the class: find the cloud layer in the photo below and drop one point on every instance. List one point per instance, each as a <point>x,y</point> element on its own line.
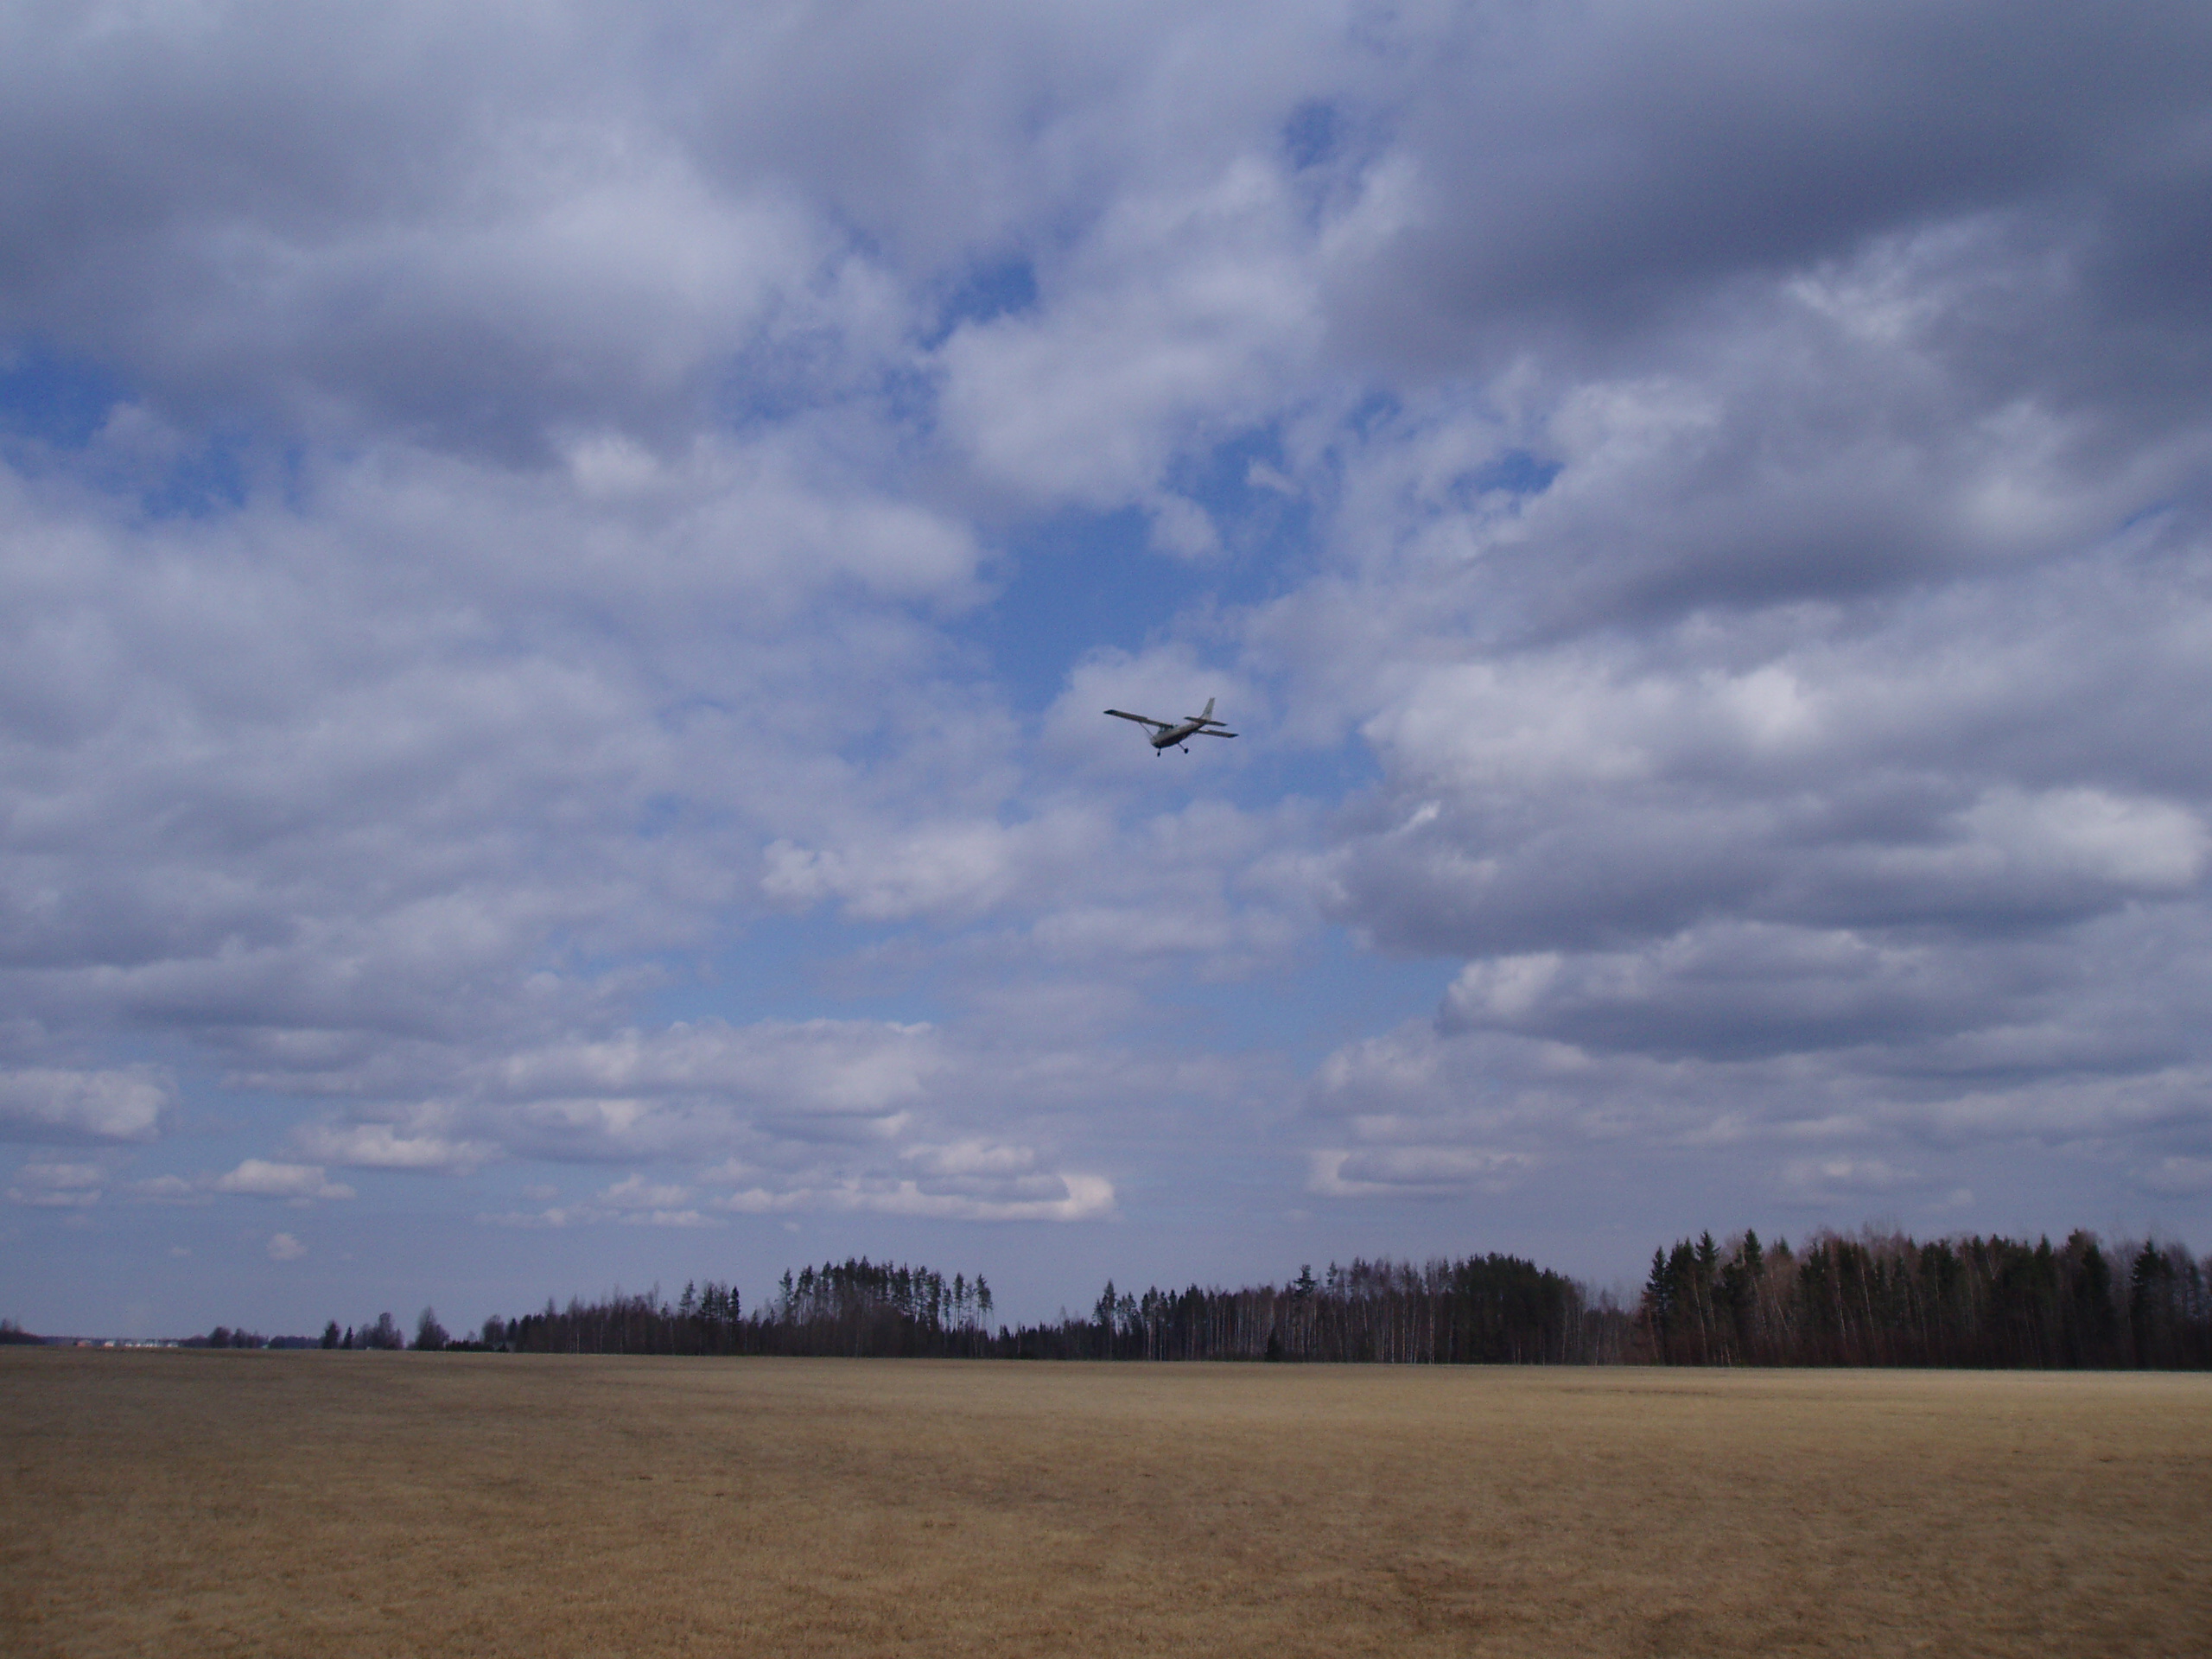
<point>525,554</point>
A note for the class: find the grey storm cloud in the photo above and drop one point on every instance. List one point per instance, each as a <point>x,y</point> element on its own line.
<point>1699,513</point>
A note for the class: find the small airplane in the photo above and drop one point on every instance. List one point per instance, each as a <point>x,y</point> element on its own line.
<point>1165,734</point>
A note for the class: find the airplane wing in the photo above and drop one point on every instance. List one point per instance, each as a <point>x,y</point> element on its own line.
<point>1209,732</point>
<point>1142,720</point>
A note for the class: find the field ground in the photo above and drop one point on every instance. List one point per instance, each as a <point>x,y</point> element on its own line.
<point>377,1503</point>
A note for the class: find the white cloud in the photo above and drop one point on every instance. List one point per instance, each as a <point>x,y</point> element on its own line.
<point>638,1084</point>
<point>1412,1171</point>
<point>282,1247</point>
<point>2178,1177</point>
<point>967,1182</point>
<point>2151,846</point>
<point>1057,1197</point>
<point>638,1194</point>
<point>1183,311</point>
<point>524,602</point>
<point>258,1178</point>
<point>957,867</point>
<point>550,1217</point>
<point>644,1203</point>
<point>385,1146</point>
<point>1824,1180</point>
<point>57,1185</point>
<point>168,1189</point>
<point>42,1103</point>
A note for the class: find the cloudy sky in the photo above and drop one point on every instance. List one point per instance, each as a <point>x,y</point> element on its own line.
<point>559,567</point>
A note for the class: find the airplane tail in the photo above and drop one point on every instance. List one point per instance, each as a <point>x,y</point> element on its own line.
<point>1208,714</point>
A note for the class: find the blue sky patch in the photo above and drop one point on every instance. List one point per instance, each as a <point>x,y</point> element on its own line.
<point>57,400</point>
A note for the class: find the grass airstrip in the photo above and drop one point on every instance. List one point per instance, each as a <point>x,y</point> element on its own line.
<point>219,1503</point>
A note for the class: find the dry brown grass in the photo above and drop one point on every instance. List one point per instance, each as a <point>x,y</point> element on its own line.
<point>342,1503</point>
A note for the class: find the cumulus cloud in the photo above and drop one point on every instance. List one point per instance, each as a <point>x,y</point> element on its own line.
<point>640,1203</point>
<point>949,868</point>
<point>1719,990</point>
<point>282,1247</point>
<point>1053,1197</point>
<point>258,1177</point>
<point>966,1183</point>
<point>637,1088</point>
<point>166,1189</point>
<point>46,1104</point>
<point>1576,175</point>
<point>552,1215</point>
<point>384,1145</point>
<point>1412,1171</point>
<point>58,1186</point>
<point>1182,313</point>
<point>2178,1177</point>
<point>819,1114</point>
<point>510,588</point>
<point>1822,1181</point>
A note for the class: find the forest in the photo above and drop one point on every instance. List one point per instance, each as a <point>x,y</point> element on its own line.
<point>1877,1299</point>
<point>1885,1300</point>
<point>860,1308</point>
<point>1483,1310</point>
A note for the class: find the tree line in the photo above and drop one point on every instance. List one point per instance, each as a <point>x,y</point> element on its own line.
<point>1888,1299</point>
<point>1486,1310</point>
<point>1493,1309</point>
<point>1876,1299</point>
<point>1873,1299</point>
<point>857,1307</point>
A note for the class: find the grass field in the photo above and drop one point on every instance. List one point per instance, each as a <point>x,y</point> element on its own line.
<point>380,1503</point>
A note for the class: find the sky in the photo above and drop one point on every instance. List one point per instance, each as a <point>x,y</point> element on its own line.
<point>560,566</point>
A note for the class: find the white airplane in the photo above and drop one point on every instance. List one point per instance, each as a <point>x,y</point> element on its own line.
<point>1164,735</point>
